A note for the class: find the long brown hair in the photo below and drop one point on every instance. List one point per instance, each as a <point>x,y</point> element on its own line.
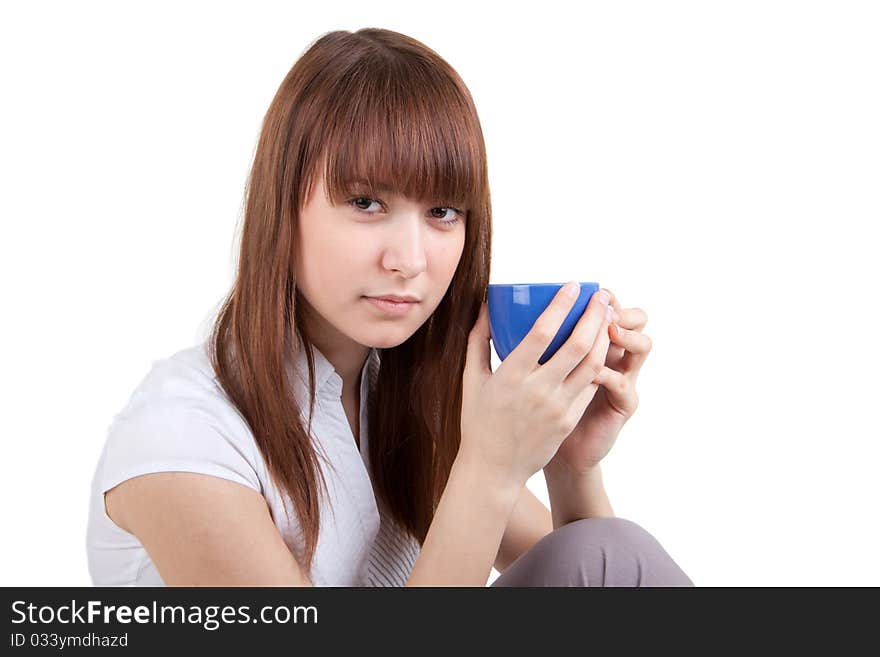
<point>372,105</point>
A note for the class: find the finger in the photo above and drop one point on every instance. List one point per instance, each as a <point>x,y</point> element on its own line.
<point>478,359</point>
<point>580,343</point>
<point>612,300</point>
<point>582,375</point>
<point>525,357</point>
<point>637,345</point>
<point>619,389</point>
<point>631,318</point>
<point>615,353</point>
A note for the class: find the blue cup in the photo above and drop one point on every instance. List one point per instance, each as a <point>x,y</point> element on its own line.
<point>514,308</point>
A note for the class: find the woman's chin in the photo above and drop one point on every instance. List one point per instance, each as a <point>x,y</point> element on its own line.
<point>387,339</point>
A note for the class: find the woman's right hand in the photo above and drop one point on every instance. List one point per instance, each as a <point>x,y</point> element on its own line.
<point>514,420</point>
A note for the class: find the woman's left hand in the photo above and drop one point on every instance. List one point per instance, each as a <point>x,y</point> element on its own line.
<point>615,400</point>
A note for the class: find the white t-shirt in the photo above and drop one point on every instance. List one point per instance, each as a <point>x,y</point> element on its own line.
<point>180,419</point>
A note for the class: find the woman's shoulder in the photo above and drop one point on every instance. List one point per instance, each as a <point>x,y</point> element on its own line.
<point>185,378</point>
<point>186,371</point>
<point>178,414</point>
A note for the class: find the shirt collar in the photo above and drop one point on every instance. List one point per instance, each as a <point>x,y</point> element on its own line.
<point>328,383</point>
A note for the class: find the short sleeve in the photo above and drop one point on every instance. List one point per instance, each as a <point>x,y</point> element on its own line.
<point>176,436</point>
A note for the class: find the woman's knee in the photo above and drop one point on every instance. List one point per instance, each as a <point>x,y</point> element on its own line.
<point>611,531</point>
<point>614,552</point>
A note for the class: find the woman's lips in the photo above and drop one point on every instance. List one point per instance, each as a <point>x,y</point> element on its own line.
<point>392,308</point>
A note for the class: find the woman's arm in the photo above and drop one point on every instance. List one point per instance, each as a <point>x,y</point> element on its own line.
<point>528,524</point>
<point>466,531</point>
<point>573,497</point>
<point>531,520</point>
<point>220,533</point>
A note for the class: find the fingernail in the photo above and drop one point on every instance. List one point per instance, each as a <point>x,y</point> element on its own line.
<point>604,296</point>
<point>572,288</point>
<point>609,312</point>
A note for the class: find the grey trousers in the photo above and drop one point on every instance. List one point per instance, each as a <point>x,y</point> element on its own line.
<point>595,552</point>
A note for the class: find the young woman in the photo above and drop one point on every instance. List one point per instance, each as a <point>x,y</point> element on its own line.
<point>323,435</point>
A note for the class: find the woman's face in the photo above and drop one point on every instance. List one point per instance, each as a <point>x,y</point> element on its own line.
<point>369,247</point>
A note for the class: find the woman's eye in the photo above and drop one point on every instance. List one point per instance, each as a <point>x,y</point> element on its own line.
<point>447,219</point>
<point>360,201</point>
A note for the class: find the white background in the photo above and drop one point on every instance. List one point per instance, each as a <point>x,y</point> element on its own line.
<point>715,164</point>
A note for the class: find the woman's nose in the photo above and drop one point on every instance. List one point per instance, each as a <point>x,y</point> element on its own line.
<point>405,251</point>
